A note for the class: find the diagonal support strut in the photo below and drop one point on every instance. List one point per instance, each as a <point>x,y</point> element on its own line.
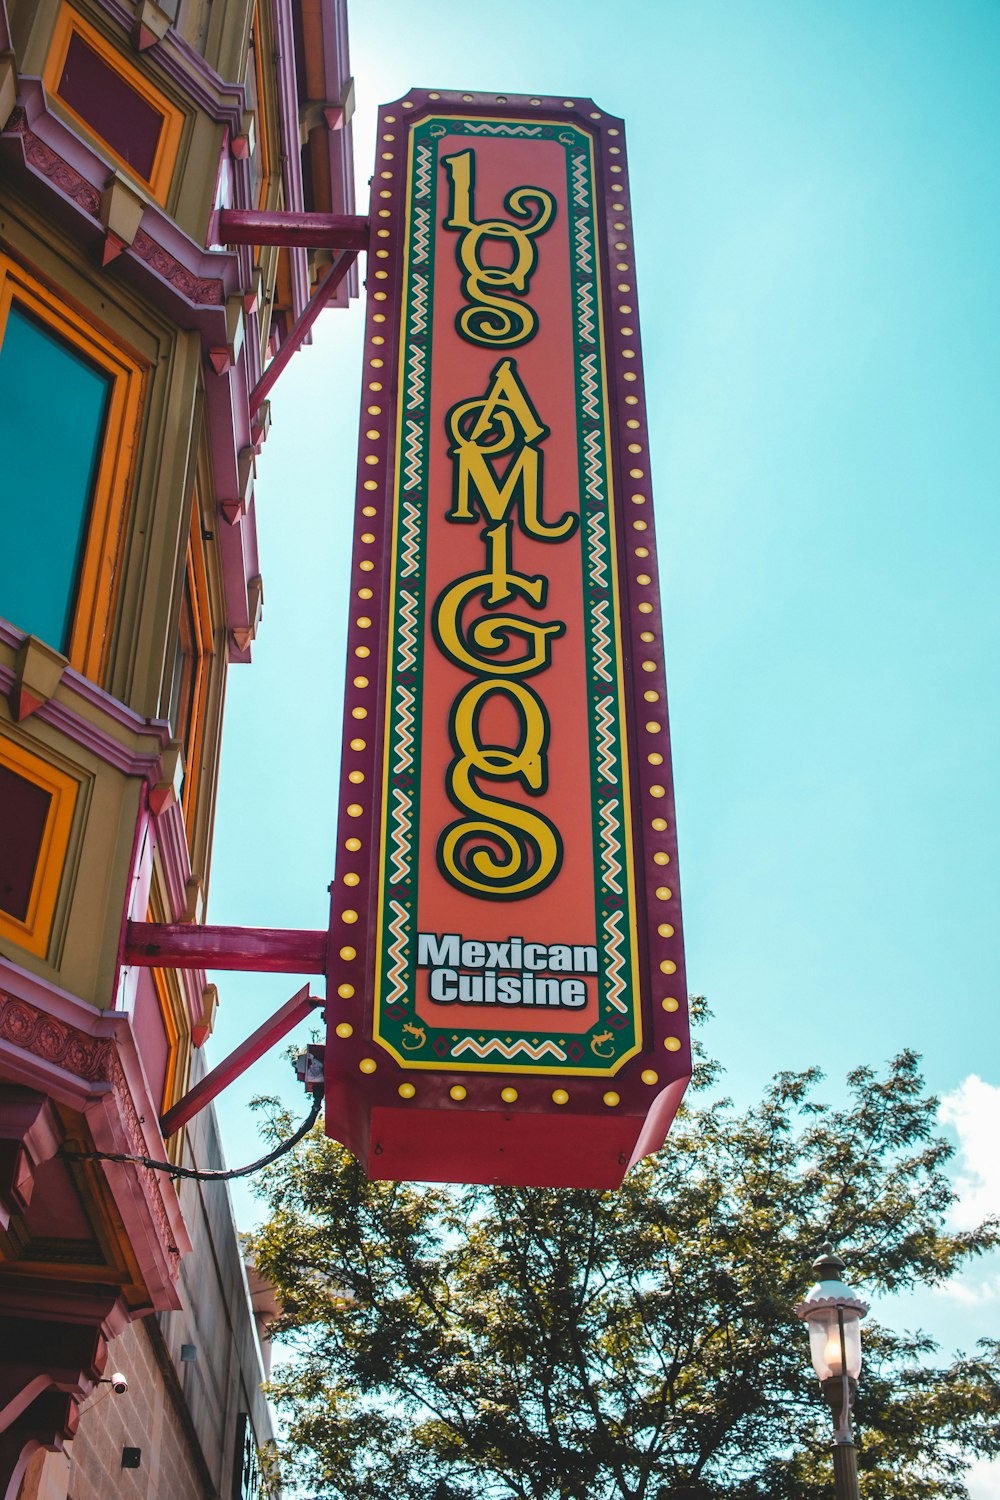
<point>263,1039</point>
<point>303,323</point>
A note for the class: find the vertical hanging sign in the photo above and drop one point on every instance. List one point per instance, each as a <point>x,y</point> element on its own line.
<point>506,995</point>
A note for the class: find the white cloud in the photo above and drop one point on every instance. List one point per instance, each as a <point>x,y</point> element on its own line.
<point>973,1111</point>
<point>970,1289</point>
<point>983,1480</point>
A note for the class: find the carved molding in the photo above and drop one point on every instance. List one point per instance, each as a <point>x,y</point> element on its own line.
<point>94,1060</point>
<point>45,161</point>
<point>32,1030</point>
<point>204,291</point>
<point>138,1146</point>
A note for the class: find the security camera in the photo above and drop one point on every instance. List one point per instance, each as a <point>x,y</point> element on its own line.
<point>118,1383</point>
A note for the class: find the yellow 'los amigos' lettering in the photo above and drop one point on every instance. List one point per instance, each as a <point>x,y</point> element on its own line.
<point>491,427</point>
<point>495,319</point>
<point>502,425</point>
<point>531,847</point>
<point>498,849</point>
<point>477,648</point>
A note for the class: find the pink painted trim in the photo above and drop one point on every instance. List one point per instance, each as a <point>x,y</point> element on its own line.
<point>135,882</point>
<point>228,413</point>
<point>223,101</point>
<point>87,1059</point>
<point>164,834</point>
<point>256,950</point>
<point>171,838</point>
<point>337,72</point>
<point>242,1057</point>
<point>82,731</point>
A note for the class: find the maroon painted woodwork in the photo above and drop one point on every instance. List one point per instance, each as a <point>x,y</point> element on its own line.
<point>120,116</point>
<point>48,1421</point>
<point>242,1057</point>
<point>29,1137</point>
<point>150,1029</point>
<point>86,1061</point>
<point>254,950</point>
<point>24,808</point>
<point>293,340</point>
<point>237,226</point>
<point>53,1332</point>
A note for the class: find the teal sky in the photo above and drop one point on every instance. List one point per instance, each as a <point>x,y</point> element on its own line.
<point>815,199</point>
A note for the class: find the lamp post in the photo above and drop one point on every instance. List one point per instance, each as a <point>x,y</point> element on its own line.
<point>833,1314</point>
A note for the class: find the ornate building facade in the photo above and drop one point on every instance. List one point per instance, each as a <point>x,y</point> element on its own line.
<point>132,415</point>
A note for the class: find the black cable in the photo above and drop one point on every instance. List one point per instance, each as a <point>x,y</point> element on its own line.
<point>208,1176</point>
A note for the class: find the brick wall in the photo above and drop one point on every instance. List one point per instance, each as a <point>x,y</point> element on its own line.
<point>180,1412</point>
<point>146,1417</point>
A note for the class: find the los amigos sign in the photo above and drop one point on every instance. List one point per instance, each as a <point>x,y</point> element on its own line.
<point>506,997</point>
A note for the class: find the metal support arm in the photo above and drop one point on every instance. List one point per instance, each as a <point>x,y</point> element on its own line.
<point>240,226</point>
<point>255,950</point>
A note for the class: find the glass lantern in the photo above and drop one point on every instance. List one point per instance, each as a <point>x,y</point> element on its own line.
<point>835,1341</point>
<point>833,1313</point>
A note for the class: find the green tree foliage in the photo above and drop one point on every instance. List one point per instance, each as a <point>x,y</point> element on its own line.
<point>554,1345</point>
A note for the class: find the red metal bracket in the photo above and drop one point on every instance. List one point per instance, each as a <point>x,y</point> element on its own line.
<point>305,320</point>
<point>243,226</point>
<point>255,950</point>
<point>263,1039</point>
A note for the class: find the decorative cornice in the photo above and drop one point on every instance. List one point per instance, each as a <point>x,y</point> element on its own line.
<point>81,729</point>
<point>51,166</point>
<point>206,290</point>
<point>42,159</point>
<point>32,1030</point>
<point>87,1059</point>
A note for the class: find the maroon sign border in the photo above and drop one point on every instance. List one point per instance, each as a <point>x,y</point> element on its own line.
<point>354,1086</point>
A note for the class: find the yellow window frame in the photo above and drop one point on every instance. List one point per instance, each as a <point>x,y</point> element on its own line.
<point>34,932</point>
<point>264,115</point>
<point>197,585</point>
<point>177,1026</point>
<point>69,22</point>
<point>90,637</point>
<point>177,1029</point>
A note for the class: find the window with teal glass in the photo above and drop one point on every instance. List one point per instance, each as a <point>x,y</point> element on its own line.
<point>53,409</point>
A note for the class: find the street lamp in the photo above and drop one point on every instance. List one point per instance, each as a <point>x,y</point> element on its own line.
<point>833,1314</point>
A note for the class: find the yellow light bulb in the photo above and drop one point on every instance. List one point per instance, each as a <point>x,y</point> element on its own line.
<point>831,1352</point>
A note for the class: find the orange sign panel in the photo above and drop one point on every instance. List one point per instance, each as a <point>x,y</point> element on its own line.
<point>506,985</point>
